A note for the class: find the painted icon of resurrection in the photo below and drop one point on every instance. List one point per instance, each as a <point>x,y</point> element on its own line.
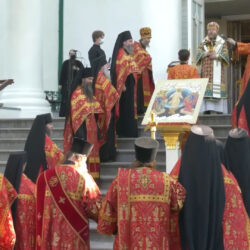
<point>176,101</point>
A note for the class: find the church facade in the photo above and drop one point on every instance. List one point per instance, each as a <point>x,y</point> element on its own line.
<point>37,36</point>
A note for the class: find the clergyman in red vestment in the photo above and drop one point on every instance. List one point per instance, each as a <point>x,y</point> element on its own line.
<point>7,196</point>
<point>145,84</point>
<point>42,152</point>
<point>82,120</point>
<point>107,96</point>
<point>124,77</point>
<point>238,114</point>
<point>242,49</point>
<point>241,112</point>
<point>139,201</point>
<point>66,197</point>
<point>24,207</point>
<point>183,70</point>
<point>213,215</point>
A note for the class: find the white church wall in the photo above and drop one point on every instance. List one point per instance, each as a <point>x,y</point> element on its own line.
<point>50,44</point>
<point>23,59</point>
<point>81,18</point>
<point>4,54</point>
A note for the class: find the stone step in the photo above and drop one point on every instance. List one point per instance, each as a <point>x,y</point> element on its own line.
<point>122,154</point>
<point>128,155</point>
<point>209,120</point>
<point>106,169</point>
<point>128,143</point>
<point>22,133</point>
<point>2,166</point>
<point>97,237</point>
<point>27,123</point>
<point>99,245</point>
<point>221,130</point>
<point>59,122</point>
<point>14,143</point>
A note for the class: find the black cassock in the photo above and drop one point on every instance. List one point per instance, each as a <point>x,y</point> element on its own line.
<point>69,70</point>
<point>108,150</point>
<point>94,53</point>
<point>127,124</point>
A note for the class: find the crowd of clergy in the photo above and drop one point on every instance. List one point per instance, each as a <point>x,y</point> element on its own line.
<point>48,194</point>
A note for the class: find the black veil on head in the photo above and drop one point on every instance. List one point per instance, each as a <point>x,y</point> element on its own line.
<point>244,102</point>
<point>13,172</point>
<point>220,148</point>
<point>237,153</point>
<point>200,220</point>
<point>34,146</point>
<point>122,37</point>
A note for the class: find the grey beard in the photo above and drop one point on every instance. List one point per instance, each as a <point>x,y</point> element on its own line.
<point>106,73</point>
<point>129,49</point>
<point>88,90</point>
<point>145,45</point>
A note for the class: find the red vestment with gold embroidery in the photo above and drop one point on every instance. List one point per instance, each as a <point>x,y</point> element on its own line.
<point>125,65</point>
<point>26,215</point>
<point>242,121</point>
<point>54,156</point>
<point>107,96</point>
<point>236,224</point>
<point>137,208</point>
<point>183,71</point>
<point>242,49</point>
<point>54,230</point>
<point>82,110</point>
<point>144,64</point>
<point>7,197</point>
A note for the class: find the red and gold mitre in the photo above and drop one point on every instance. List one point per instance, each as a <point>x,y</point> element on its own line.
<point>213,25</point>
<point>145,32</point>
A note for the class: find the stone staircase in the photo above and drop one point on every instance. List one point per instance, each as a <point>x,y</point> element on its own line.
<point>13,133</point>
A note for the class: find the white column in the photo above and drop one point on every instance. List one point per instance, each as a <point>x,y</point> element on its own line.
<point>172,144</point>
<point>172,156</point>
<point>164,17</point>
<point>24,61</point>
